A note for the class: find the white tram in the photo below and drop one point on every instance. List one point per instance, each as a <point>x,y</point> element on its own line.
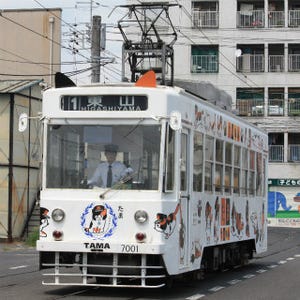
<point>194,200</point>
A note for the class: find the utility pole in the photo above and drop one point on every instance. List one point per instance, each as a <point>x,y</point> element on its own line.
<point>95,48</point>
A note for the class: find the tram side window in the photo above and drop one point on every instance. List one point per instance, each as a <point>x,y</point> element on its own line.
<point>228,167</point>
<point>263,175</point>
<point>259,173</point>
<point>209,156</point>
<point>219,166</point>
<point>183,163</point>
<point>252,172</point>
<point>198,162</point>
<point>170,151</point>
<point>244,174</point>
<point>236,172</point>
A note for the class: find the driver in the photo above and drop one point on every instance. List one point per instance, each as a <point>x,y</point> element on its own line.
<point>110,172</point>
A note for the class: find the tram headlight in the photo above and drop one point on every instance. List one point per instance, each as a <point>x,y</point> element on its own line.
<point>141,216</point>
<point>58,215</point>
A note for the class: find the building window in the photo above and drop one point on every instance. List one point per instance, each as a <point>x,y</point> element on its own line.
<point>205,14</point>
<point>276,101</point>
<point>250,102</point>
<point>294,14</point>
<point>276,57</point>
<point>276,147</point>
<point>294,102</point>
<point>294,58</point>
<point>250,14</point>
<point>205,59</point>
<point>251,58</point>
<point>276,14</point>
<point>294,147</point>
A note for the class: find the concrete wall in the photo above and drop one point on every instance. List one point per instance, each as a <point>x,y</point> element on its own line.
<point>18,191</point>
<point>30,42</point>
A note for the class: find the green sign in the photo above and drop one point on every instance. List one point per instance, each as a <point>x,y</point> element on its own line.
<point>284,182</point>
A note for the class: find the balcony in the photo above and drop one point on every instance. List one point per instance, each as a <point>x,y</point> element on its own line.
<point>205,19</point>
<point>276,153</point>
<point>250,19</point>
<point>250,63</point>
<point>204,64</point>
<point>294,62</point>
<point>250,107</point>
<point>294,153</point>
<point>294,18</point>
<point>276,19</point>
<point>276,63</point>
<point>275,103</point>
<point>294,107</point>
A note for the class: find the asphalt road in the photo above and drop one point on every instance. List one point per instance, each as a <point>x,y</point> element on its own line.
<point>273,275</point>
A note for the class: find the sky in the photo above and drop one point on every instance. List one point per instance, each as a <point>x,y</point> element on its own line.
<point>79,12</point>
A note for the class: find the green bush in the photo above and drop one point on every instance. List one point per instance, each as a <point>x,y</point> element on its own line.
<point>32,238</point>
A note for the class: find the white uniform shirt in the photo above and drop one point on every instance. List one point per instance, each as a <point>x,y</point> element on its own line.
<point>99,177</point>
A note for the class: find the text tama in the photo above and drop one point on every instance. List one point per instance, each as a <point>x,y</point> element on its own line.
<point>96,246</point>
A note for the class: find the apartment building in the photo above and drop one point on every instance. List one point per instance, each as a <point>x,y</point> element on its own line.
<point>251,50</point>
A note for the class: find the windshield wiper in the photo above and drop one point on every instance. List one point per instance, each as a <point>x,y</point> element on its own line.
<point>118,184</point>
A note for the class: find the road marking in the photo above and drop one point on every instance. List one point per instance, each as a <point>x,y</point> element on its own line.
<point>216,288</point>
<point>290,258</point>
<point>195,297</point>
<point>248,276</point>
<point>234,281</point>
<point>281,262</point>
<point>297,255</point>
<point>272,266</point>
<point>261,271</point>
<point>18,267</point>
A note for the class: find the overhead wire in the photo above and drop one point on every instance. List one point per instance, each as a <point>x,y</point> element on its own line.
<point>67,24</point>
<point>41,75</point>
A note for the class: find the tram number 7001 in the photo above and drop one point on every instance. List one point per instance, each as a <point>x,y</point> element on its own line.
<point>129,248</point>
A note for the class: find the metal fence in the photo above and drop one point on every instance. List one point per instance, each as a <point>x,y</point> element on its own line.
<point>251,63</point>
<point>294,18</point>
<point>250,107</point>
<point>276,153</point>
<point>204,64</point>
<point>276,18</point>
<point>276,63</point>
<point>294,153</point>
<point>205,19</point>
<point>294,62</point>
<point>294,107</point>
<point>251,19</point>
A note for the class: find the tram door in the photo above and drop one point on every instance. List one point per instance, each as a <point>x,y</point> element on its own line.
<point>184,197</point>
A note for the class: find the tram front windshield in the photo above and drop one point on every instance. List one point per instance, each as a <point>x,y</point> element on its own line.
<point>76,155</point>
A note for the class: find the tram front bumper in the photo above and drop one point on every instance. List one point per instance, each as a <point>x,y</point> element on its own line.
<point>102,264</point>
<point>100,246</point>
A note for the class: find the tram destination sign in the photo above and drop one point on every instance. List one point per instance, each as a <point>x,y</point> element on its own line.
<point>104,102</point>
